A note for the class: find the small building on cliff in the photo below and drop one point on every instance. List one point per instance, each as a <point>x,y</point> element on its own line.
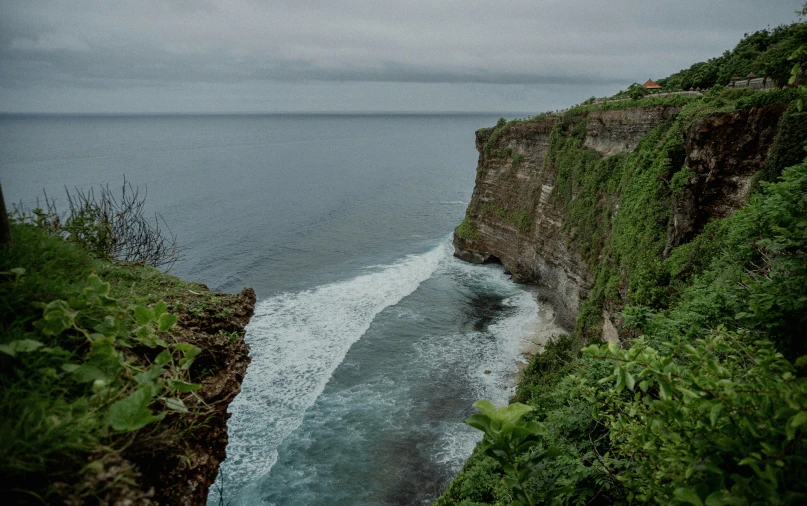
<point>652,85</point>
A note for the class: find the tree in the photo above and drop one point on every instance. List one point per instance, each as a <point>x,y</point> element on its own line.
<point>5,229</point>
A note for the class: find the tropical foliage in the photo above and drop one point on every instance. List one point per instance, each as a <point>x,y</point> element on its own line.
<point>705,400</point>
<point>84,363</point>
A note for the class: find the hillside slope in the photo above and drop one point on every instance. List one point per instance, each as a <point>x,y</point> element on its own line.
<point>671,229</point>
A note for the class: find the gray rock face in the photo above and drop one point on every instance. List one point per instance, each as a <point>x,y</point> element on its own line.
<point>723,151</point>
<point>613,132</point>
<point>514,220</point>
<point>507,189</point>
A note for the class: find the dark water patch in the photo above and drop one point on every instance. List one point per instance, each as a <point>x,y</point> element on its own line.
<point>481,309</point>
<point>405,472</point>
<point>387,428</point>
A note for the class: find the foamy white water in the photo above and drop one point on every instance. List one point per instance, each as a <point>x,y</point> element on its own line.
<point>297,340</point>
<point>391,413</point>
<point>491,374</point>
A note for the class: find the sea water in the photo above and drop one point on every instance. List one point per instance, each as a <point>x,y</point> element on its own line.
<point>370,341</point>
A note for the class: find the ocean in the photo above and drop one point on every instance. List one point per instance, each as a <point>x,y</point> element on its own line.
<point>369,341</point>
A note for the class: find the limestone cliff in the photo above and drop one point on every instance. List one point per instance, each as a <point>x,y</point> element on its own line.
<point>517,217</point>
<point>618,131</point>
<point>505,186</point>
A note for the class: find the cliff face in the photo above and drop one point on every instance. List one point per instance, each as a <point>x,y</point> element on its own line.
<point>613,132</point>
<point>504,187</point>
<point>723,152</point>
<point>181,474</point>
<point>516,217</point>
<point>176,462</point>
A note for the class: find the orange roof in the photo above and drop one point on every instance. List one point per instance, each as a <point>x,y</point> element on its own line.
<point>650,84</point>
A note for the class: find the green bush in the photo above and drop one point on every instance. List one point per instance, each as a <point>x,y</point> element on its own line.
<point>466,230</point>
<point>765,53</point>
<point>718,421</point>
<point>72,386</point>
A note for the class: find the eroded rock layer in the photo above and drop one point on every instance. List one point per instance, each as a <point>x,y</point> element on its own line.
<point>515,218</point>
<point>508,189</point>
<point>723,152</point>
<point>618,131</point>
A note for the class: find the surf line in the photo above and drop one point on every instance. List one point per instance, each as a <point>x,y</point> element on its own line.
<point>297,341</point>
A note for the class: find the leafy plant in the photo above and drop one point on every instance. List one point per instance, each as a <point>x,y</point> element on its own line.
<point>513,442</point>
<point>718,421</point>
<point>72,386</point>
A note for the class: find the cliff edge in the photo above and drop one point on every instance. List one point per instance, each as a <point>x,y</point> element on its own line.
<point>177,461</point>
<point>183,472</point>
<point>548,190</point>
<point>116,377</point>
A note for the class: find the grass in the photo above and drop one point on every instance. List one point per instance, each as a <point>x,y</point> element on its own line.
<point>467,230</point>
<point>46,425</point>
<point>56,441</point>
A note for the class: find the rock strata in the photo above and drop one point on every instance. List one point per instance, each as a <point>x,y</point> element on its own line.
<point>618,131</point>
<point>723,151</point>
<point>513,217</point>
<point>506,188</point>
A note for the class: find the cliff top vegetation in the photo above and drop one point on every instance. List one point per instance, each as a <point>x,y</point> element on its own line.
<point>704,400</point>
<point>96,375</point>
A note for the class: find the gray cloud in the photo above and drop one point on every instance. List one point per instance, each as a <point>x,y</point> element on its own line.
<point>126,49</point>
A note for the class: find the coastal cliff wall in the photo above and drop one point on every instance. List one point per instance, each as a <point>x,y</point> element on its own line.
<point>514,221</point>
<point>548,193</point>
<point>183,472</point>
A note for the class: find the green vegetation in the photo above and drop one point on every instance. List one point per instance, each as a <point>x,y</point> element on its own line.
<point>467,230</point>
<point>522,220</point>
<point>89,356</point>
<point>509,437</point>
<point>705,402</point>
<point>766,53</point>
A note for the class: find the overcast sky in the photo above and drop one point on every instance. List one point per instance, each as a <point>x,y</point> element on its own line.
<point>354,55</point>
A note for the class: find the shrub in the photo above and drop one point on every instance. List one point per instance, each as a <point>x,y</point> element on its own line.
<point>109,227</point>
<point>467,230</point>
<point>718,421</point>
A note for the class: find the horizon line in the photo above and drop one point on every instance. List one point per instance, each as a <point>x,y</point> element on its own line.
<point>262,113</point>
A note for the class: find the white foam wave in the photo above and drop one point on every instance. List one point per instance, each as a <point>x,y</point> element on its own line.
<point>297,340</point>
<point>492,374</point>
